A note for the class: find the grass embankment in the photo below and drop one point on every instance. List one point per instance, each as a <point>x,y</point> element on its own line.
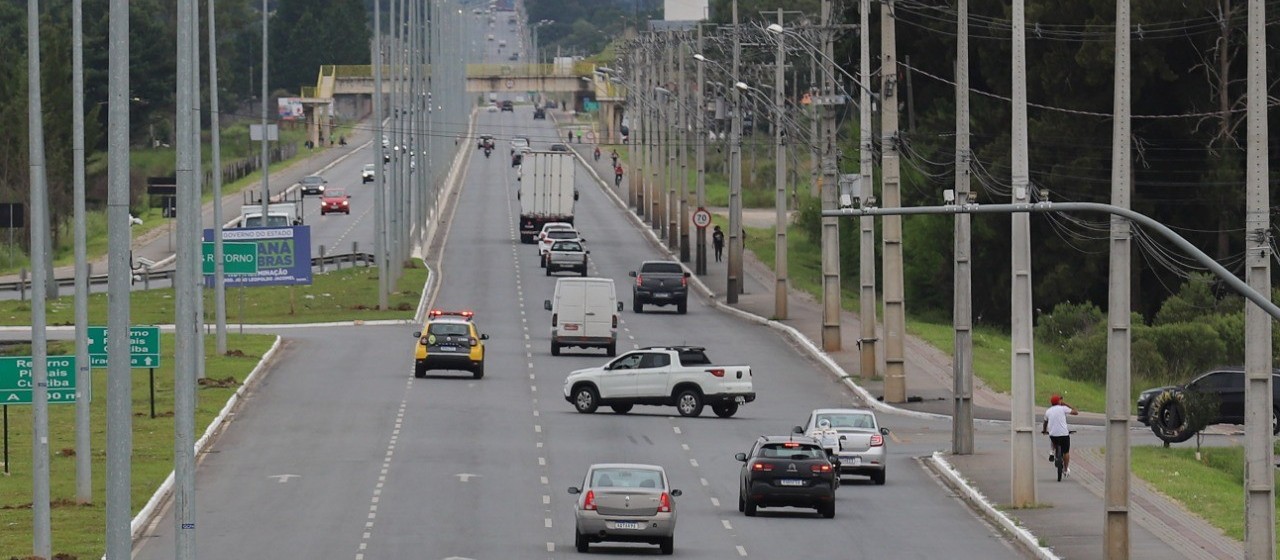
<point>338,295</point>
<point>77,529</point>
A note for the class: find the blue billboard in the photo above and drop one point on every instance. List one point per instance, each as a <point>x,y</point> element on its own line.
<point>284,255</point>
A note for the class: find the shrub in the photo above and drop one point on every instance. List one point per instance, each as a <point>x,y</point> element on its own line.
<point>1068,320</point>
<point>1192,302</point>
<point>1187,348</point>
<point>1085,356</point>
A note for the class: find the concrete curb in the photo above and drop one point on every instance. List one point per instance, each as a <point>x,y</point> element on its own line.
<point>149,510</point>
<point>968,493</point>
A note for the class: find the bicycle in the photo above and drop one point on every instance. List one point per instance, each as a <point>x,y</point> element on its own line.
<point>1057,457</point>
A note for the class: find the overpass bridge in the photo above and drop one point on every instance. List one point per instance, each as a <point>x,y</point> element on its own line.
<point>347,90</point>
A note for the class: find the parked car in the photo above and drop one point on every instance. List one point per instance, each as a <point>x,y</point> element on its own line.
<point>312,184</point>
<point>660,283</point>
<point>335,200</point>
<point>625,502</point>
<point>567,255</point>
<point>787,471</point>
<point>853,437</point>
<point>584,314</point>
<point>679,376</point>
<point>1164,408</point>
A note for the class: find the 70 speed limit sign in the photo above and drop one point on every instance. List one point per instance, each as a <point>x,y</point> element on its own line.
<point>701,218</point>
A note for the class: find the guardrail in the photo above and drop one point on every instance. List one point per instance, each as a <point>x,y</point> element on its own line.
<point>146,274</point>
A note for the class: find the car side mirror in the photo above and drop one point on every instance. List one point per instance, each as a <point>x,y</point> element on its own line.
<point>676,492</point>
<point>632,274</point>
<point>484,337</point>
<point>587,252</point>
<point>546,304</point>
<point>884,431</point>
<point>619,306</point>
<point>741,457</point>
<point>575,490</point>
<point>797,430</point>
<point>686,275</point>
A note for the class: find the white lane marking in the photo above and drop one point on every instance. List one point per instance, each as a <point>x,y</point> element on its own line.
<point>539,445</point>
<point>684,446</point>
<point>741,551</point>
<point>703,481</point>
<point>547,522</point>
<point>726,524</point>
<point>715,502</point>
<point>676,428</point>
<point>543,480</point>
<point>537,427</point>
<point>693,463</point>
<point>542,461</point>
<point>551,547</point>
<point>546,499</point>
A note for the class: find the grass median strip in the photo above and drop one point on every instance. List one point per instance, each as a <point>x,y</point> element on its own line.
<point>77,530</point>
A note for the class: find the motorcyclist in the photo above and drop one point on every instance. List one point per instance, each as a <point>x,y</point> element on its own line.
<point>487,151</point>
<point>596,154</point>
<point>613,154</point>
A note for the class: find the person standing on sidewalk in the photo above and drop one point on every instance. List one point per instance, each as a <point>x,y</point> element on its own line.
<point>1055,424</point>
<point>717,241</point>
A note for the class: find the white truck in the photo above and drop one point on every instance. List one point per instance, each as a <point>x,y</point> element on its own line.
<point>547,192</point>
<point>680,376</point>
<point>279,214</point>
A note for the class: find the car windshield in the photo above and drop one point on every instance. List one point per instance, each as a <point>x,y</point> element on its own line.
<point>312,180</point>
<point>335,193</point>
<point>566,246</point>
<point>449,329</point>
<point>791,450</point>
<point>519,142</point>
<point>845,420</point>
<point>562,234</point>
<point>368,167</point>
<point>626,477</point>
<point>662,268</point>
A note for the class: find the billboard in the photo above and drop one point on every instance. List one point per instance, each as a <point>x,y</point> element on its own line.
<point>684,10</point>
<point>284,256</point>
<point>290,108</point>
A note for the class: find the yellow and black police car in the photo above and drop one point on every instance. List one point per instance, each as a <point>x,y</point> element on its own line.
<point>450,340</point>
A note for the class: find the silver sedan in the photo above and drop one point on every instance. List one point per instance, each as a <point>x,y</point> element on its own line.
<point>625,502</point>
<point>853,436</point>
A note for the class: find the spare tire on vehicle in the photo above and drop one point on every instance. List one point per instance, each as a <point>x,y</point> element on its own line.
<point>1169,417</point>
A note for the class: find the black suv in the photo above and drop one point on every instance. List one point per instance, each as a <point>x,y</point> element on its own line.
<point>784,471</point>
<point>508,106</point>
<point>660,283</point>
<point>539,113</point>
<point>1165,414</point>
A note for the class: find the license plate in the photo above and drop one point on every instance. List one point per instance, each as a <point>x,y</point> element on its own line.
<point>628,525</point>
<point>791,482</point>
<point>662,295</point>
<point>570,327</point>
<point>448,348</point>
<point>740,400</point>
<point>853,461</point>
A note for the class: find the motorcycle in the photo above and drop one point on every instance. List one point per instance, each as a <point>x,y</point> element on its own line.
<point>487,151</point>
<point>597,154</point>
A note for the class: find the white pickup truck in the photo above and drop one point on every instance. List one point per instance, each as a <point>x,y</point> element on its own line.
<point>679,376</point>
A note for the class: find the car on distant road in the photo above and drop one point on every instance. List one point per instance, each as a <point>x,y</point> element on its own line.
<point>485,141</point>
<point>787,471</point>
<point>518,143</point>
<point>1164,408</point>
<point>492,108</point>
<point>660,283</point>
<point>335,200</point>
<point>366,174</point>
<point>853,437</point>
<point>508,106</point>
<point>625,502</point>
<point>539,113</point>
<point>449,340</point>
<point>312,184</point>
<point>559,148</point>
<point>567,255</point>
<point>679,376</point>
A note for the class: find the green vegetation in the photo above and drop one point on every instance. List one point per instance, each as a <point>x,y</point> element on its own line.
<point>339,295</point>
<point>77,529</point>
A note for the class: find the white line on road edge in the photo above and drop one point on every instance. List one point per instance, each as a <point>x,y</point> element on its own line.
<point>975,497</point>
<point>150,509</point>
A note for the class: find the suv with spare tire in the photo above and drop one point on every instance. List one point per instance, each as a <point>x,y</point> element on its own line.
<point>1176,412</point>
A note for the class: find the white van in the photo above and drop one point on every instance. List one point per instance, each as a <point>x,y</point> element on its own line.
<point>584,313</point>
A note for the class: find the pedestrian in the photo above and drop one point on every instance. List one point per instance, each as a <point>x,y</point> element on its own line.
<point>717,241</point>
<point>570,136</point>
<point>1055,424</point>
<point>596,154</point>
<point>579,136</point>
<point>617,175</point>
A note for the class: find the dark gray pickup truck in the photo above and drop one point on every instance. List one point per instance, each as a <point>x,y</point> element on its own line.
<point>660,283</point>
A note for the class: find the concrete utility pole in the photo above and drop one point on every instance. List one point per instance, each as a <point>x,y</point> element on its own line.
<point>379,179</point>
<point>41,544</point>
<point>682,111</point>
<point>119,271</point>
<point>653,153</point>
<point>780,181</point>
<point>1115,536</point>
<point>700,155</point>
<point>84,378</point>
<point>962,362</point>
<point>215,137</point>
<point>667,153</point>
<point>188,206</point>
<point>895,321</point>
<point>831,341</point>
<point>397,142</point>
<point>867,340</point>
<point>266,143</point>
<point>1259,529</point>
<point>196,224</point>
<point>815,134</point>
<point>1022,423</point>
<point>735,279</point>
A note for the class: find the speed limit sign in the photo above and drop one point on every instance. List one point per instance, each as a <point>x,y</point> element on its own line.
<point>701,218</point>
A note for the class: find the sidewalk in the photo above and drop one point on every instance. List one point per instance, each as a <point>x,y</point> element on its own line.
<point>1071,521</point>
<point>157,245</point>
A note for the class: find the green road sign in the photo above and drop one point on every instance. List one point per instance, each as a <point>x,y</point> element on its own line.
<point>17,385</point>
<point>237,258</point>
<point>144,347</point>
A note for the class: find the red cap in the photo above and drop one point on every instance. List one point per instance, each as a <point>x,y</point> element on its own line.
<point>1054,400</point>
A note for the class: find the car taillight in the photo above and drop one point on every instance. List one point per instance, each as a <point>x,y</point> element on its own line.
<point>718,372</point>
<point>474,341</point>
<point>589,501</point>
<point>877,440</point>
<point>554,316</point>
<point>761,467</point>
<point>615,321</point>
<point>639,280</point>
<point>684,282</point>
<point>825,467</point>
<point>664,503</point>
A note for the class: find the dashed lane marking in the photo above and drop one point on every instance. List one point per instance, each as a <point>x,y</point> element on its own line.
<point>741,551</point>
<point>715,501</point>
<point>726,524</point>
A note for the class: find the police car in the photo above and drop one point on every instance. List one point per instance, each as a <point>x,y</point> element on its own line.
<point>450,340</point>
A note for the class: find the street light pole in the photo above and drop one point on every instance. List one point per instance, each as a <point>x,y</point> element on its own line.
<point>266,138</point>
<point>1022,420</point>
<point>215,133</point>
<point>700,156</point>
<point>867,340</point>
<point>780,183</point>
<point>962,364</point>
<point>831,295</point>
<point>683,114</point>
<point>733,288</point>
<point>41,543</point>
<point>380,167</point>
<point>84,378</point>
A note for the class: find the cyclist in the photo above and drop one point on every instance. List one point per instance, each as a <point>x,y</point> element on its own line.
<point>1055,424</point>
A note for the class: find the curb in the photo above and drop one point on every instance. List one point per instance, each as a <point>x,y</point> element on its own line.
<point>951,477</point>
<point>149,510</point>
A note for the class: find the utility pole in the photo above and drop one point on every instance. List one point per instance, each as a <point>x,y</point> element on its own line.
<point>815,134</point>
<point>215,137</point>
<point>188,206</point>
<point>734,287</point>
<point>1022,422</point>
<point>780,182</point>
<point>1259,529</point>
<point>830,181</point>
<point>84,378</point>
<point>196,224</point>
<point>653,153</point>
<point>668,147</point>
<point>119,378</point>
<point>962,363</point>
<point>867,340</point>
<point>700,155</point>
<point>683,115</point>
<point>266,155</point>
<point>895,324</point>
<point>41,543</point>
<point>379,176</point>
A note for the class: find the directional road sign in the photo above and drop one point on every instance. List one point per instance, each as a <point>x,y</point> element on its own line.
<point>237,258</point>
<point>17,383</point>
<point>144,347</point>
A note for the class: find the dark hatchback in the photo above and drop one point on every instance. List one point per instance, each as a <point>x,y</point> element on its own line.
<point>787,471</point>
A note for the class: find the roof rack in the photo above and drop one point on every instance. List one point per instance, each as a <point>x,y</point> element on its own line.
<point>676,348</point>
